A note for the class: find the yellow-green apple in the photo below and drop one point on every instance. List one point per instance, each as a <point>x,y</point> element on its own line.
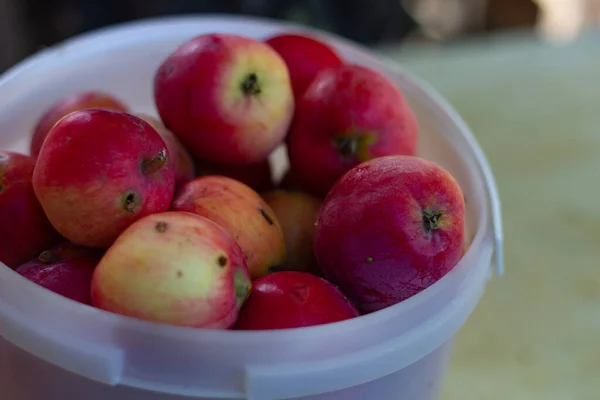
<point>182,161</point>
<point>242,212</point>
<point>174,268</point>
<point>348,115</point>
<point>292,299</point>
<point>390,228</point>
<point>25,229</point>
<point>227,97</point>
<point>68,104</point>
<point>297,213</point>
<point>99,171</point>
<point>65,269</point>
<point>305,56</point>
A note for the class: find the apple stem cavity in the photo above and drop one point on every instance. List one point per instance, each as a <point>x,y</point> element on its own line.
<point>154,165</point>
<point>347,146</point>
<point>250,85</point>
<point>131,202</point>
<point>431,220</point>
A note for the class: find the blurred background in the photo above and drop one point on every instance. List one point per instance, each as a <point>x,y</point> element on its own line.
<point>28,25</point>
<point>525,75</point>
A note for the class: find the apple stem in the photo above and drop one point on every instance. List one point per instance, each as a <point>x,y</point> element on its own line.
<point>347,146</point>
<point>250,85</point>
<point>431,220</point>
<point>153,165</point>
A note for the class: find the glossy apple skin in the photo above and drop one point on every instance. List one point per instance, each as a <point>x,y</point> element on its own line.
<point>242,212</point>
<point>348,115</point>
<point>257,176</point>
<point>375,237</point>
<point>174,268</point>
<point>183,163</point>
<point>292,299</point>
<point>65,269</point>
<point>227,97</point>
<point>24,228</point>
<point>98,172</point>
<point>305,57</point>
<point>297,214</point>
<point>68,104</point>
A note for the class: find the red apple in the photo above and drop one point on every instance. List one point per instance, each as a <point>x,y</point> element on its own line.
<point>297,213</point>
<point>227,97</point>
<point>25,229</point>
<point>98,172</point>
<point>242,212</point>
<point>348,115</point>
<point>182,161</point>
<point>291,299</point>
<point>174,268</point>
<point>258,176</point>
<point>65,269</point>
<point>68,104</point>
<point>390,228</point>
<point>305,57</point>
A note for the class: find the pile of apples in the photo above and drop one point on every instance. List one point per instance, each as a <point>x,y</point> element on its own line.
<point>176,219</point>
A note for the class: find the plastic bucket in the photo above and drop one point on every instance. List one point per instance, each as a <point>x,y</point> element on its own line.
<point>54,349</point>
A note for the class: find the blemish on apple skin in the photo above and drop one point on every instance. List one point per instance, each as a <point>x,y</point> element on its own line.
<point>369,259</point>
<point>300,293</point>
<point>222,261</point>
<point>266,216</point>
<point>48,257</point>
<point>161,227</point>
<point>179,274</point>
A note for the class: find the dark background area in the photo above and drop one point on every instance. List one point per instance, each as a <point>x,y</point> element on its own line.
<point>28,25</point>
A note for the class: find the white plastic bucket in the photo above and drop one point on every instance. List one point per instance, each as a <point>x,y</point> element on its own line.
<point>54,349</point>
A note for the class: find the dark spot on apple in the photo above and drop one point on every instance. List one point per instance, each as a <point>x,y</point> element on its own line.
<point>161,227</point>
<point>169,69</point>
<point>179,274</point>
<point>131,202</point>
<point>266,216</point>
<point>49,257</point>
<point>250,86</point>
<point>369,259</point>
<point>431,220</point>
<point>1,187</point>
<point>222,261</point>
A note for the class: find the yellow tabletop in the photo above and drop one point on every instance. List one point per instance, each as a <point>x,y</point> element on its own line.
<point>535,109</point>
